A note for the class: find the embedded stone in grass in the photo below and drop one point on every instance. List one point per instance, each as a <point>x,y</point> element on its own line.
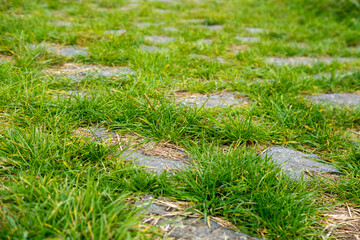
<point>171,29</point>
<point>193,21</point>
<point>219,100</point>
<point>100,135</point>
<point>129,6</point>
<point>344,99</point>
<point>236,49</point>
<point>150,49</point>
<point>247,39</point>
<point>159,10</point>
<point>296,163</point>
<point>296,61</point>
<point>147,24</point>
<point>63,23</point>
<point>159,39</point>
<point>77,72</point>
<point>71,51</point>
<point>6,59</point>
<point>177,223</point>
<point>217,27</point>
<point>154,163</point>
<point>254,30</point>
<point>115,32</point>
<point>206,41</point>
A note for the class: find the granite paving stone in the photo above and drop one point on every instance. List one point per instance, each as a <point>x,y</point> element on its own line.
<point>159,39</point>
<point>343,99</point>
<point>71,51</point>
<point>296,61</point>
<point>296,164</point>
<point>77,72</point>
<point>217,27</point>
<point>156,164</point>
<point>247,39</point>
<point>218,100</point>
<point>254,30</point>
<point>115,32</point>
<point>150,49</point>
<point>178,224</point>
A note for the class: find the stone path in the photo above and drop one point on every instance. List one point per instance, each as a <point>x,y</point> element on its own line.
<point>296,163</point>
<point>297,61</point>
<point>247,39</point>
<point>342,99</point>
<point>159,39</point>
<point>78,72</point>
<point>150,49</point>
<point>176,223</point>
<point>218,100</point>
<point>115,32</point>
<point>71,51</point>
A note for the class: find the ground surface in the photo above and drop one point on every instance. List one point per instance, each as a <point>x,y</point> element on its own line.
<point>194,119</point>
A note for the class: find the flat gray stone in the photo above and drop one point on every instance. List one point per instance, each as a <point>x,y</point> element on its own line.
<point>296,164</point>
<point>71,51</point>
<point>154,164</point>
<point>344,99</point>
<point>254,30</point>
<point>220,100</point>
<point>148,24</point>
<point>101,134</point>
<point>188,227</point>
<point>150,49</point>
<point>78,72</point>
<point>217,27</point>
<point>206,41</point>
<point>115,32</point>
<point>193,21</point>
<point>247,39</point>
<point>171,29</point>
<point>159,39</point>
<point>297,61</point>
<point>130,6</point>
<point>63,23</point>
<point>76,93</point>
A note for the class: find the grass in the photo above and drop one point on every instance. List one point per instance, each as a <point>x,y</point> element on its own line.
<point>55,184</point>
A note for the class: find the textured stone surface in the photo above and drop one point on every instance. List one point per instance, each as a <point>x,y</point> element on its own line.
<point>247,39</point>
<point>171,29</point>
<point>77,72</point>
<point>344,99</point>
<point>191,227</point>
<point>63,23</point>
<point>296,61</point>
<point>296,163</point>
<point>148,24</point>
<point>159,39</point>
<point>221,100</point>
<point>215,27</point>
<point>76,93</point>
<point>156,164</point>
<point>129,7</point>
<point>150,49</point>
<point>254,30</point>
<point>71,51</point>
<point>206,41</point>
<point>115,32</point>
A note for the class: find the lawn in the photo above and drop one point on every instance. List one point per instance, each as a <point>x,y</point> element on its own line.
<point>121,119</point>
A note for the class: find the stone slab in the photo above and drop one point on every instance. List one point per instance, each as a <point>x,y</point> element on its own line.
<point>219,100</point>
<point>155,164</point>
<point>171,29</point>
<point>296,164</point>
<point>191,227</point>
<point>77,72</point>
<point>254,30</point>
<point>298,61</point>
<point>115,32</point>
<point>159,39</point>
<point>343,99</point>
<point>247,39</point>
<point>71,51</point>
<point>217,27</point>
<point>150,49</point>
